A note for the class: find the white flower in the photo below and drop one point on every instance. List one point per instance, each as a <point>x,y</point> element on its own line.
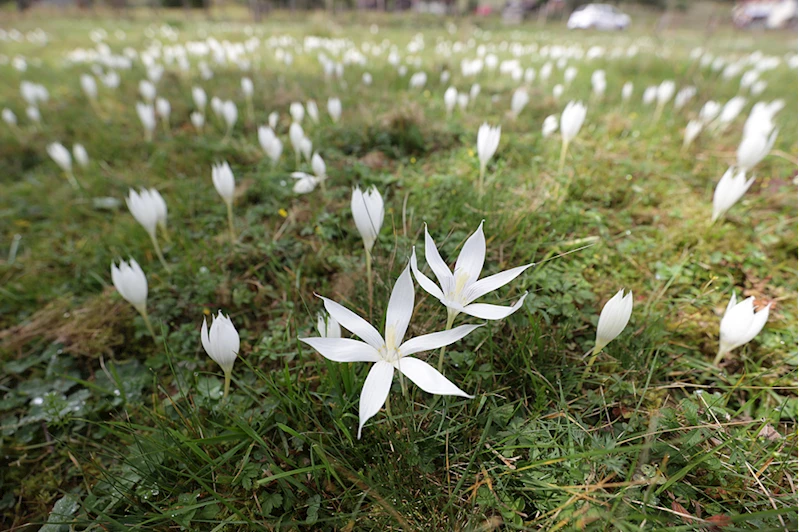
<point>60,155</point>
<point>147,90</point>
<point>218,107</point>
<point>160,208</point>
<point>145,209</point>
<point>305,183</point>
<point>33,114</point>
<point>557,91</point>
<point>334,109</point>
<point>247,87</point>
<point>111,79</point>
<point>458,290</point>
<point>474,92</point>
<point>730,111</point>
<point>598,82</point>
<point>9,117</point>
<point>740,324</point>
<point>709,111</point>
<point>518,101</point>
<point>269,142</point>
<point>147,117</point>
<point>131,283</point>
<point>692,130</point>
<point>569,74</point>
<point>367,211</point>
<point>571,120</point>
<point>274,116</point>
<point>665,91</point>
<point>200,99</point>
<point>312,110</point>
<point>89,86</point>
<point>327,326</point>
<point>319,167</point>
<point>388,351</point>
<point>613,319</point>
<point>296,134</point>
<point>81,157</point>
<point>487,143</point>
<point>463,100</point>
<point>754,148</point>
<point>684,96</point>
<point>550,125</point>
<point>627,91</point>
<point>650,94</point>
<point>731,187</point>
<point>163,108</point>
<point>230,113</point>
<point>450,99</point>
<point>297,112</point>
<point>221,343</point>
<point>197,120</point>
<point>366,79</point>
<point>224,182</point>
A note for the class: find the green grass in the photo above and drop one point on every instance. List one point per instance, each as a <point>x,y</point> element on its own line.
<point>131,434</point>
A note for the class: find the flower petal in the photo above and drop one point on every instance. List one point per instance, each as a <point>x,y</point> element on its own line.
<point>400,305</point>
<point>353,323</point>
<point>492,282</point>
<point>343,349</point>
<point>204,338</point>
<point>472,256</point>
<point>425,282</point>
<point>428,378</point>
<point>375,391</point>
<point>492,312</point>
<point>435,340</point>
<point>436,263</point>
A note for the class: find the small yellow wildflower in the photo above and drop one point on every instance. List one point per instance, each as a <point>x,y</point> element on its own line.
<point>283,212</point>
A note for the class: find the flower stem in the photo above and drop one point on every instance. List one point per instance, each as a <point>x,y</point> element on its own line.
<point>481,179</point>
<point>148,323</point>
<point>230,222</point>
<point>563,149</point>
<point>158,252</point>
<point>369,286</point>
<point>72,180</point>
<point>718,358</point>
<point>450,320</point>
<point>594,353</point>
<point>227,385</point>
<point>227,135</point>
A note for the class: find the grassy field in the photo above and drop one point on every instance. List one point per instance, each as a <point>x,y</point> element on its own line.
<point>103,428</point>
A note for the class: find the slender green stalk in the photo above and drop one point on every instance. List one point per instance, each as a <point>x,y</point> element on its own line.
<point>72,180</point>
<point>148,323</point>
<point>227,385</point>
<point>165,125</point>
<point>230,222</point>
<point>658,112</point>
<point>594,353</point>
<point>158,252</point>
<point>226,138</point>
<point>451,314</point>
<point>369,285</point>
<point>718,358</point>
<point>481,179</point>
<point>563,149</point>
<point>296,159</point>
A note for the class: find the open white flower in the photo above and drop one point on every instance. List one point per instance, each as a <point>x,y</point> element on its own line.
<point>739,325</point>
<point>305,183</point>
<point>518,101</point>
<point>458,290</point>
<point>334,109</point>
<point>388,352</point>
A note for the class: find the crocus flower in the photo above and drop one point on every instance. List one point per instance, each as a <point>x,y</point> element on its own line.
<point>9,117</point>
<point>463,100</point>
<point>319,168</point>
<point>664,93</point>
<point>230,113</point>
<point>306,148</point>
<point>225,185</point>
<point>692,131</point>
<point>487,143</point>
<point>163,109</point>
<point>650,94</point>
<point>80,155</point>
<point>474,92</point>
<point>150,211</point>
<point>550,126</point>
<point>200,99</point>
<point>89,86</point>
<point>297,112</point>
<point>327,326</point>
<point>613,319</point>
<point>305,183</point>
<point>739,325</point>
<point>388,352</point>
<point>247,88</point>
<point>557,91</point>
<point>33,114</point>
<point>754,148</point>
<point>147,90</point>
<point>518,101</point>
<point>198,121</point>
<point>131,283</point>
<point>61,156</point>
<point>296,134</point>
<point>270,143</point>
<point>730,112</point>
<point>709,111</point>
<point>274,116</point>
<point>571,120</point>
<point>627,91</point>
<point>732,186</point>
<point>313,111</point>
<point>458,290</point>
<point>222,344</point>
<point>334,109</point>
<point>147,117</point>
<point>450,99</point>
<point>368,211</point>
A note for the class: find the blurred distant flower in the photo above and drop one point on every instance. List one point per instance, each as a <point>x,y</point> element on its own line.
<point>550,126</point>
<point>692,131</point>
<point>313,111</point>
<point>147,117</point>
<point>149,209</point>
<point>198,121</point>
<point>334,109</point>
<point>222,344</point>
<point>450,99</point>
<point>518,101</point>
<point>131,283</point>
<point>147,91</point>
<point>297,112</point>
<point>732,186</point>
<point>200,99</point>
<point>571,120</point>
<point>225,185</point>
<point>487,143</point>
<point>80,154</point>
<point>627,91</point>
<point>754,148</point>
<point>739,325</point>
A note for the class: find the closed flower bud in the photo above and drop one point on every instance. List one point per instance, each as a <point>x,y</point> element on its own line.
<point>613,319</point>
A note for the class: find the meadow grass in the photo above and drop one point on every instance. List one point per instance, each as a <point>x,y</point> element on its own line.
<point>103,428</point>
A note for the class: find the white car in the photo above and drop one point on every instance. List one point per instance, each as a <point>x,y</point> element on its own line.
<point>598,16</point>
